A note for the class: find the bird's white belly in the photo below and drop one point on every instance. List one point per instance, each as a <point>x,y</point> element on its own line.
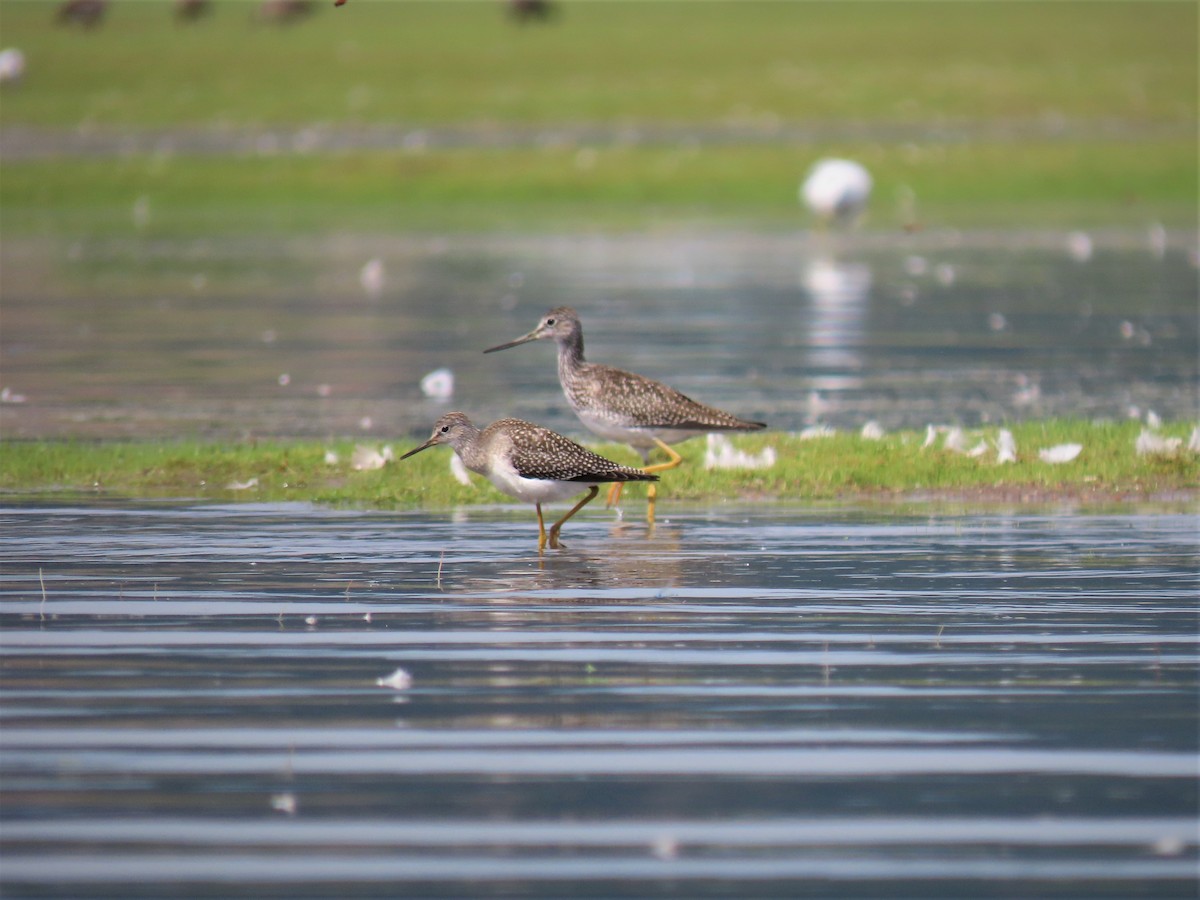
<point>642,438</point>
<point>533,490</point>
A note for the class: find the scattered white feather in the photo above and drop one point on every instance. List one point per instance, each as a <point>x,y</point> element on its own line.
<point>1150,443</point>
<point>242,485</point>
<point>366,458</point>
<point>371,277</point>
<point>1006,447</point>
<point>12,65</point>
<point>945,274</point>
<point>955,440</point>
<point>284,803</point>
<point>816,431</point>
<point>721,454</point>
<point>438,384</point>
<point>397,681</point>
<point>1060,453</point>
<point>459,471</point>
<point>1079,246</point>
<point>872,431</point>
<point>665,847</point>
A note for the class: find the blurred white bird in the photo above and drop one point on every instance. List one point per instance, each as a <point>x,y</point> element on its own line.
<point>12,66</point>
<point>836,191</point>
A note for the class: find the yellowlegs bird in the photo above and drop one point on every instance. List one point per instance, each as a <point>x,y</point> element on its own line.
<point>621,406</point>
<point>533,464</point>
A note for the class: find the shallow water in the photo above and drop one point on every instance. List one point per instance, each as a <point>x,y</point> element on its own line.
<point>744,702</point>
<point>222,338</point>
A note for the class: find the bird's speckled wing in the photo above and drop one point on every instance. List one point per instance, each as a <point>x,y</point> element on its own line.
<point>537,452</point>
<point>633,401</point>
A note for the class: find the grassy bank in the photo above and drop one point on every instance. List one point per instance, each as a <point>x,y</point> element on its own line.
<point>988,114</point>
<point>842,466</point>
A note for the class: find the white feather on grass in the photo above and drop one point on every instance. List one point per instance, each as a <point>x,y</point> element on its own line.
<point>721,454</point>
<point>1060,453</point>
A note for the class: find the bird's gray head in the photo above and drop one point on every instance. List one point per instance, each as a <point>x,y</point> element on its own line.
<point>454,428</point>
<point>560,324</point>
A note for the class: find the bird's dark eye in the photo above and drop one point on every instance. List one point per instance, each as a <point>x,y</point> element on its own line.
<point>549,321</point>
<point>445,429</point>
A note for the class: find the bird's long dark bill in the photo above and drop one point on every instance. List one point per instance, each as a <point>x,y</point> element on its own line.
<point>532,336</point>
<point>425,446</point>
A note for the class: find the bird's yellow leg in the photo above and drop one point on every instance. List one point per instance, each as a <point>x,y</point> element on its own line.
<point>675,459</point>
<point>541,528</point>
<point>614,494</point>
<point>557,526</point>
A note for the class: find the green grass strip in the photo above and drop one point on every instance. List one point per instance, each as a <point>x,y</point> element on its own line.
<point>844,466</point>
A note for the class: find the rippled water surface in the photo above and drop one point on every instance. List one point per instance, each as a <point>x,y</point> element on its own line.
<point>202,701</point>
<point>279,337</point>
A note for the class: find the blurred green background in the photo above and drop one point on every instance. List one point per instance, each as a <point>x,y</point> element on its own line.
<point>394,116</point>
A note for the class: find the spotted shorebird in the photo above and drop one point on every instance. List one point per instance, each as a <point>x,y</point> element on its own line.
<point>529,462</point>
<point>621,406</point>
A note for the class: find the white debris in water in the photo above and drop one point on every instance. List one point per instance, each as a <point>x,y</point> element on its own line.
<point>366,458</point>
<point>1006,447</point>
<point>8,395</point>
<point>459,471</point>
<point>1079,246</point>
<point>816,431</point>
<point>1060,453</point>
<point>242,485</point>
<point>324,390</point>
<point>284,380</point>
<point>1150,443</point>
<point>438,384</point>
<point>1168,845</point>
<point>721,454</point>
<point>916,265</point>
<point>1028,392</point>
<point>872,431</point>
<point>284,803</point>
<point>665,847</point>
<point>397,681</point>
<point>371,277</point>
<point>310,621</point>
<point>945,274</point>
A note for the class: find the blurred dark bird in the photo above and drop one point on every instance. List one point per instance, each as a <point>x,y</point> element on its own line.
<point>285,12</point>
<point>84,13</point>
<point>522,11</point>
<point>191,10</point>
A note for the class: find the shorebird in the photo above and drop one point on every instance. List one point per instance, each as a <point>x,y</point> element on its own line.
<point>531,463</point>
<point>836,191</point>
<point>621,406</point>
